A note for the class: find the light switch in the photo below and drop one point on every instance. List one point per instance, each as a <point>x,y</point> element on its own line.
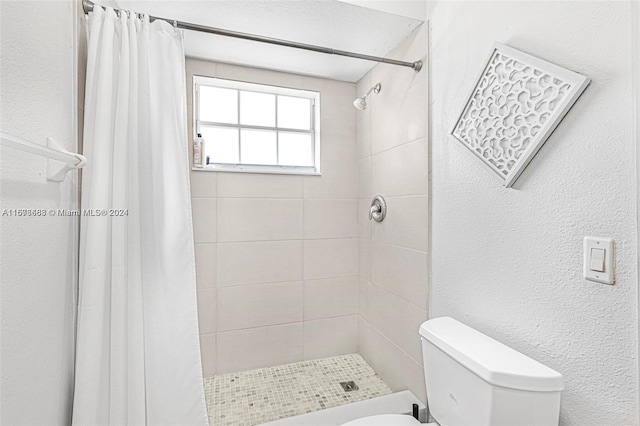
<point>598,256</point>
<point>597,260</point>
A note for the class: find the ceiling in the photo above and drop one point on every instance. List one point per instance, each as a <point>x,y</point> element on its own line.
<point>409,8</point>
<point>328,23</point>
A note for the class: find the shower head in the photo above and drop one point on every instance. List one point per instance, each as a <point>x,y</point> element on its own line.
<point>361,103</point>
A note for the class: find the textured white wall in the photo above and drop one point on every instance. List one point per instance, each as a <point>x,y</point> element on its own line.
<point>393,255</point>
<point>636,73</point>
<point>276,255</point>
<point>509,261</point>
<point>38,254</point>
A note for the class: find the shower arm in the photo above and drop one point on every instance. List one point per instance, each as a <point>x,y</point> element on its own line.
<point>88,6</point>
<point>375,89</point>
<point>366,95</point>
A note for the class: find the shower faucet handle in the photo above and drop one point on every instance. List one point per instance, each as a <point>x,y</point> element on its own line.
<point>378,209</point>
<point>374,209</point>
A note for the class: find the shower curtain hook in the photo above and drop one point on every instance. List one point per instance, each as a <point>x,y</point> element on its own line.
<point>175,24</point>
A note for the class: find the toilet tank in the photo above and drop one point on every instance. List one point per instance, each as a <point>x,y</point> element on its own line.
<point>473,379</point>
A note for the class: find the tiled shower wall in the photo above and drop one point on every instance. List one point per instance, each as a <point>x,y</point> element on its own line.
<point>276,255</point>
<point>393,255</point>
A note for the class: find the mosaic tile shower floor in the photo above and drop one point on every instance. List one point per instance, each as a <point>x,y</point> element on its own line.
<point>257,396</point>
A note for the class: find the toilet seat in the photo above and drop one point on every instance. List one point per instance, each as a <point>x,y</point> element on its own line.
<point>384,420</point>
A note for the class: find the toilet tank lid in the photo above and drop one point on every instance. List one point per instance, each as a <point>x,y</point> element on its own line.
<point>489,359</point>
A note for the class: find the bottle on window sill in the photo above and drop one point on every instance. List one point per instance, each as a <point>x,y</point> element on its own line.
<point>198,151</point>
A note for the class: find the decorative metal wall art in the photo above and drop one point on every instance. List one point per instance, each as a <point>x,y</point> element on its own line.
<point>515,105</point>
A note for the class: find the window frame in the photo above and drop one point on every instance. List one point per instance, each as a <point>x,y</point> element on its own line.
<point>314,132</point>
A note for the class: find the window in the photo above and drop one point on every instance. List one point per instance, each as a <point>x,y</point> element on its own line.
<point>256,128</point>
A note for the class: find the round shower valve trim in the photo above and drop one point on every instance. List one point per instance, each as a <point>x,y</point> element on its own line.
<point>378,208</point>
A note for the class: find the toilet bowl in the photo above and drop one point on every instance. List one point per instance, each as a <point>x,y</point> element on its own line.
<point>472,379</point>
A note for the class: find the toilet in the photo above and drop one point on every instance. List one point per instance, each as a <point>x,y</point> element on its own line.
<point>473,379</point>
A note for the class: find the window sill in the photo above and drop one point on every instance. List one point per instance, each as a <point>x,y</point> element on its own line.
<point>268,171</point>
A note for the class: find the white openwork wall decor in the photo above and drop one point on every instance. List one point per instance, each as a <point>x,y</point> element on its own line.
<point>515,105</point>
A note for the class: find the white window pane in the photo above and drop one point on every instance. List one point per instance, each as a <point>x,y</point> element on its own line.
<point>218,105</point>
<point>258,147</point>
<point>221,145</point>
<point>295,149</point>
<point>257,109</point>
<point>294,113</point>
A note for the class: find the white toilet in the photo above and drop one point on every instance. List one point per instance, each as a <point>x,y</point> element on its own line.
<point>474,380</point>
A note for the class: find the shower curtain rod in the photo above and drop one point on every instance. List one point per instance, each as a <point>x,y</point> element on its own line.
<point>88,5</point>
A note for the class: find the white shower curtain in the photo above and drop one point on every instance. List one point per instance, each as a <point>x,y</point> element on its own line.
<point>138,355</point>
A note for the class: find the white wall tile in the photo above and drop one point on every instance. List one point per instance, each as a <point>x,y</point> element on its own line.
<point>399,117</point>
<point>339,180</point>
<point>259,75</point>
<point>339,108</point>
<point>330,218</point>
<point>363,84</point>
<point>254,185</point>
<point>251,306</point>
<point>337,142</point>
<point>396,367</point>
<point>330,297</point>
<point>392,154</point>
<point>330,337</point>
<point>204,219</point>
<point>249,239</point>
<point>363,121</point>
<point>398,319</point>
<point>364,258</point>
<point>400,270</point>
<point>330,88</point>
<point>406,223</point>
<point>364,340</point>
<point>256,219</point>
<point>364,224</point>
<point>364,302</point>
<point>364,178</point>
<point>204,184</point>
<point>336,101</point>
<point>200,67</point>
<point>403,170</point>
<point>399,111</point>
<point>259,347</point>
<point>208,354</point>
<point>207,310</point>
<point>330,258</point>
<point>205,265</point>
<point>258,262</point>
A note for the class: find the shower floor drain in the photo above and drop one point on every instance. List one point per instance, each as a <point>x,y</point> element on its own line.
<point>349,386</point>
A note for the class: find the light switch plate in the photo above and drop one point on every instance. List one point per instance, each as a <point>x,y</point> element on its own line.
<point>606,244</point>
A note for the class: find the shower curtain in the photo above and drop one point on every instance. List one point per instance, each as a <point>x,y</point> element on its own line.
<point>137,354</point>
